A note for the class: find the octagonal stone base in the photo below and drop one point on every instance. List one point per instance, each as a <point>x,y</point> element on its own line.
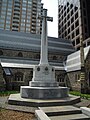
<point>43,92</point>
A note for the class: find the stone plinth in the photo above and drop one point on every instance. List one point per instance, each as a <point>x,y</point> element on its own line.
<point>43,92</point>
<point>43,76</point>
<point>43,85</point>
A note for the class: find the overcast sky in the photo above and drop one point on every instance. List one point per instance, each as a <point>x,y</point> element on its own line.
<point>52,6</point>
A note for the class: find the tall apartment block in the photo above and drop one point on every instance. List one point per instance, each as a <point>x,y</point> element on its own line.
<point>74,21</point>
<point>21,15</point>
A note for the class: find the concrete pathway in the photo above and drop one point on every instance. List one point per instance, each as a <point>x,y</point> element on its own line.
<point>71,117</point>
<point>64,113</point>
<point>53,112</point>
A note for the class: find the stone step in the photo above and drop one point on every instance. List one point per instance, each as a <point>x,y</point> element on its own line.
<point>16,99</point>
<point>70,117</point>
<point>60,110</point>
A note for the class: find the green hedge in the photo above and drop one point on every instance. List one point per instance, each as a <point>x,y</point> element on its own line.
<point>85,96</point>
<point>7,93</point>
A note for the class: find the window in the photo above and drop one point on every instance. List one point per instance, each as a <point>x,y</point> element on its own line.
<point>72,35</point>
<point>37,56</point>
<point>88,43</point>
<point>77,77</point>
<point>64,7</point>
<point>65,33</point>
<point>60,78</point>
<point>76,15</point>
<point>85,21</point>
<point>64,14</point>
<point>71,6</point>
<point>77,41</point>
<point>72,19</point>
<point>7,71</point>
<point>68,23</point>
<point>71,12</point>
<point>20,54</point>
<point>78,48</point>
<point>18,76</point>
<point>68,30</point>
<point>54,58</point>
<point>84,12</point>
<point>77,32</point>
<point>65,27</point>
<point>67,10</point>
<point>1,52</point>
<point>73,43</point>
<point>84,45</point>
<point>84,4</point>
<point>68,37</point>
<point>76,8</point>
<point>77,23</point>
<point>65,20</point>
<point>72,27</point>
<point>31,75</point>
<point>85,29</point>
<point>68,17</point>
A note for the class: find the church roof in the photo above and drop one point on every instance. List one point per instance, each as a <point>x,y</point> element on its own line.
<point>73,62</point>
<point>26,63</point>
<point>31,42</point>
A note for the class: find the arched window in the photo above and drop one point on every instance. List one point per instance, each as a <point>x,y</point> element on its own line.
<point>54,58</point>
<point>19,76</point>
<point>60,78</point>
<point>20,54</point>
<point>1,52</point>
<point>37,56</point>
<point>31,75</point>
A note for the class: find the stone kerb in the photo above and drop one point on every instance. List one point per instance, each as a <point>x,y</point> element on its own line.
<point>85,110</point>
<point>41,115</point>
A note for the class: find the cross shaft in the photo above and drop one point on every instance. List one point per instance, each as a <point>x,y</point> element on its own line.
<point>44,41</point>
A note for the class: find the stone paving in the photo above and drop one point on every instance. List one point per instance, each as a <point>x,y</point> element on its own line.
<point>83,103</point>
<point>4,104</point>
<point>70,117</point>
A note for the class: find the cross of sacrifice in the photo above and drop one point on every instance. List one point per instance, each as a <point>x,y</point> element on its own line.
<point>44,41</point>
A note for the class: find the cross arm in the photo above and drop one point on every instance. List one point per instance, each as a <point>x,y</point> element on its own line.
<point>50,19</point>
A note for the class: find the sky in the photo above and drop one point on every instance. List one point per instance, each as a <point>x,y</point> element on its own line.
<point>52,6</point>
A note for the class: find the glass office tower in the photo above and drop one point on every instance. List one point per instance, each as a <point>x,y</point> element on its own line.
<point>74,21</point>
<point>20,15</point>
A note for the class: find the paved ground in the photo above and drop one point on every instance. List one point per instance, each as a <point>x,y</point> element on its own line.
<point>83,103</point>
<point>26,110</point>
<point>3,104</point>
<point>12,112</point>
<point>15,115</point>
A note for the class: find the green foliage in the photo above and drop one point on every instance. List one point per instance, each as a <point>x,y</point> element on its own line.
<point>85,96</point>
<point>7,93</point>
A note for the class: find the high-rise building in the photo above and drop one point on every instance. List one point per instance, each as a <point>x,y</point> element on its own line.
<point>74,21</point>
<point>20,15</point>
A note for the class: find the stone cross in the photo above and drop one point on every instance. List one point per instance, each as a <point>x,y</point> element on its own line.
<point>44,41</point>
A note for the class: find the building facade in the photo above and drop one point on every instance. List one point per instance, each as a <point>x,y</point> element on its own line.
<point>21,15</point>
<point>74,21</point>
<point>19,52</point>
<point>73,68</point>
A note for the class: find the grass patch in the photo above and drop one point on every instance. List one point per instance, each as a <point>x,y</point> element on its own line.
<point>7,93</point>
<point>76,93</point>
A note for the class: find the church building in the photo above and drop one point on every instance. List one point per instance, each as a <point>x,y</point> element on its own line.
<point>73,69</point>
<point>19,52</point>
